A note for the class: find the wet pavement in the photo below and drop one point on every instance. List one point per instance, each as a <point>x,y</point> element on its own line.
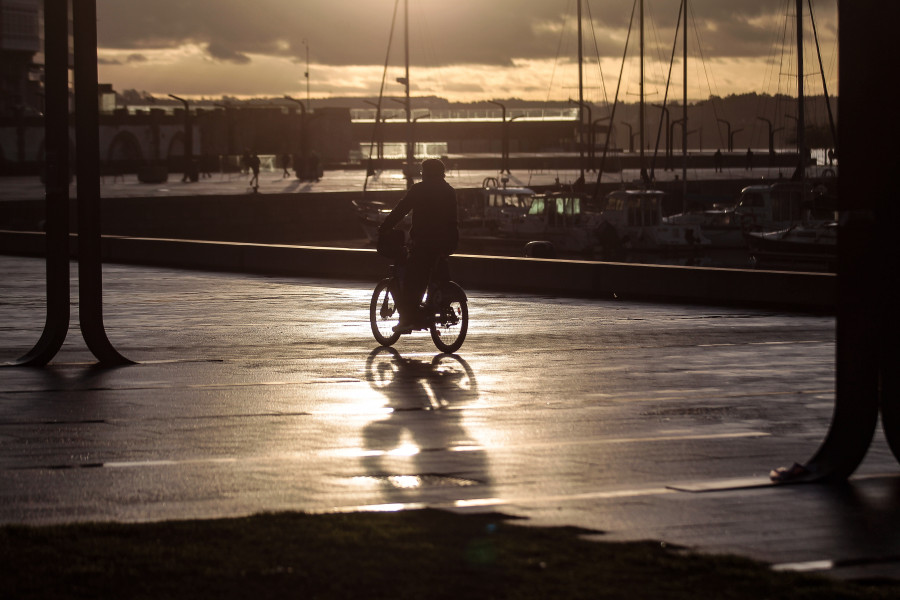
<point>641,421</point>
<point>353,180</point>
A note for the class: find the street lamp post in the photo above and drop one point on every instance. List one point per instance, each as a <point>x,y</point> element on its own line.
<point>410,141</point>
<point>728,126</point>
<point>772,133</point>
<point>680,123</point>
<point>731,138</point>
<point>302,169</point>
<point>378,131</point>
<point>630,135</point>
<point>801,144</point>
<point>189,173</point>
<point>504,144</point>
<point>378,134</point>
<point>668,137</point>
<point>506,136</point>
<point>583,105</point>
<point>592,138</point>
<point>409,165</point>
<point>415,119</point>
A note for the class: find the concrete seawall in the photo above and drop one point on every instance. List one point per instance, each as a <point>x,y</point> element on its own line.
<point>274,218</point>
<point>269,218</point>
<point>805,292</point>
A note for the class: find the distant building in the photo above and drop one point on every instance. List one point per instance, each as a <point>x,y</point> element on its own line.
<point>20,57</point>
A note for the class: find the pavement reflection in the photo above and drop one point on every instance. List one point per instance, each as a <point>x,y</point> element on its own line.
<point>425,419</point>
<point>414,384</point>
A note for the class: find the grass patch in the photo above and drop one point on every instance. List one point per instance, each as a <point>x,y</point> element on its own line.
<point>414,554</point>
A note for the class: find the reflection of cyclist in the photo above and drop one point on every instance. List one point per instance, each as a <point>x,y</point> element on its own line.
<point>441,389</point>
<point>434,234</point>
<point>448,377</point>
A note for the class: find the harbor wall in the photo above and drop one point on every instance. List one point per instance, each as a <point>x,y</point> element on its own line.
<point>306,218</point>
<point>794,291</point>
<point>269,218</point>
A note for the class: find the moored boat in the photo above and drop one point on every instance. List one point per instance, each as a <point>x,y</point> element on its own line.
<point>557,217</point>
<point>807,245</point>
<point>481,211</point>
<point>718,224</point>
<point>635,216</point>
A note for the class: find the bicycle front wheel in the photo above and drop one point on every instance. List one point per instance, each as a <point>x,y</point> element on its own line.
<point>451,321</point>
<point>383,313</point>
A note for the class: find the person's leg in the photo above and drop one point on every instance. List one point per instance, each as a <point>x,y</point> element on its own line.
<point>441,269</point>
<point>418,270</point>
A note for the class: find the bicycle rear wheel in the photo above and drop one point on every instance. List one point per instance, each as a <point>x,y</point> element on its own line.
<point>451,321</point>
<point>383,313</point>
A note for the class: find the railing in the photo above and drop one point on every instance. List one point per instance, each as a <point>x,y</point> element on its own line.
<point>471,114</point>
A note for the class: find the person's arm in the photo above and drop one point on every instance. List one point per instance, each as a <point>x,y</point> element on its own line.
<point>401,210</point>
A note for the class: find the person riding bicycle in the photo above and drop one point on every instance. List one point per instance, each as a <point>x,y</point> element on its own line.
<point>434,235</point>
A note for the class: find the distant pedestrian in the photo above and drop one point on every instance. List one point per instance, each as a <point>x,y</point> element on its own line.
<point>285,164</point>
<point>749,159</point>
<point>314,167</point>
<point>254,166</point>
<point>717,159</point>
<point>205,171</point>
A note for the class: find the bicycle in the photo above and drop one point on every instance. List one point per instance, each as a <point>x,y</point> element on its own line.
<point>445,301</point>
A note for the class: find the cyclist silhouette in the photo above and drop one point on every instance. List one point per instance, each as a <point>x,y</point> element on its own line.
<point>434,235</point>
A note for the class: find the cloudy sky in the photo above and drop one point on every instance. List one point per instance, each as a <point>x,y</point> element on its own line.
<point>460,50</point>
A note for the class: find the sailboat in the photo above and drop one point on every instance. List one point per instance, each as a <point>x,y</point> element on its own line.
<point>632,218</point>
<point>371,213</point>
<point>718,224</point>
<point>811,236</point>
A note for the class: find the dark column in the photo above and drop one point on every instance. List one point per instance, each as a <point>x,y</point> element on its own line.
<point>190,173</point>
<point>56,128</point>
<point>868,299</point>
<point>87,131</point>
<point>873,141</point>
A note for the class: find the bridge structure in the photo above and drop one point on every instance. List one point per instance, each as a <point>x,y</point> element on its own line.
<point>133,137</point>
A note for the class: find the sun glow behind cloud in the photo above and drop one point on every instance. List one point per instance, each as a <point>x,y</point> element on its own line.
<point>188,71</point>
<point>523,50</point>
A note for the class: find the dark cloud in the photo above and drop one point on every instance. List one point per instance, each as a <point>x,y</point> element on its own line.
<point>345,32</point>
<point>221,51</point>
<point>136,58</point>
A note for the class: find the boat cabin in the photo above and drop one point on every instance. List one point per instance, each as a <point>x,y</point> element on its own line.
<point>482,210</point>
<point>556,209</point>
<point>498,200</point>
<point>636,217</point>
<point>634,208</point>
<point>773,205</point>
<point>556,217</point>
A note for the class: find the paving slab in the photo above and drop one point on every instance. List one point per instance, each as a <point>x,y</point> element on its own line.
<point>249,394</point>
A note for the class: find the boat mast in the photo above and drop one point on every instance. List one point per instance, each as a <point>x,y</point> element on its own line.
<point>641,103</point>
<point>410,155</point>
<point>684,127</point>
<point>812,21</point>
<point>580,97</point>
<point>801,123</point>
